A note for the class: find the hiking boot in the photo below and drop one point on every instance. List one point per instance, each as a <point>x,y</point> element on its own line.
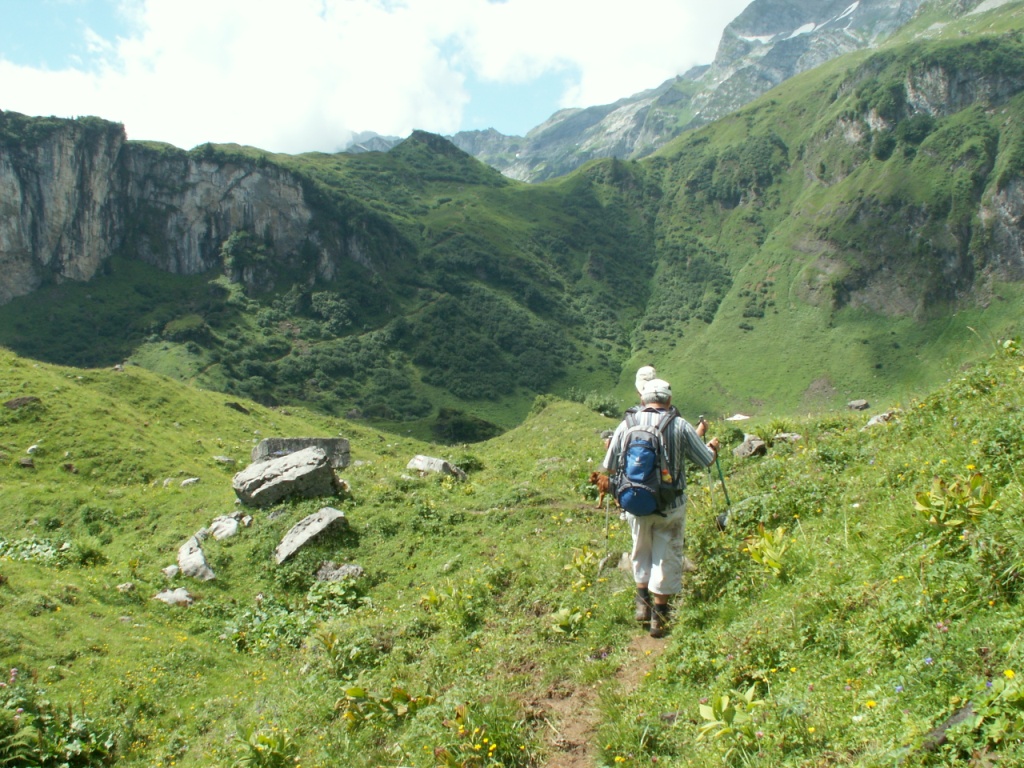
<point>643,605</point>
<point>659,620</point>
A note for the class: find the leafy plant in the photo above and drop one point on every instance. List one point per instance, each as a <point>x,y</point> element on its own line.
<point>360,707</point>
<point>584,568</point>
<point>949,506</point>
<point>271,747</point>
<point>768,548</point>
<point>730,718</point>
<point>997,715</point>
<point>569,622</point>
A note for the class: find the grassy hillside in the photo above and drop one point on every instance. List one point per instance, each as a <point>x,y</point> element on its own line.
<point>865,590</point>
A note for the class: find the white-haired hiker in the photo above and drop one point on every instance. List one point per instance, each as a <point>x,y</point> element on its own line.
<point>658,539</point>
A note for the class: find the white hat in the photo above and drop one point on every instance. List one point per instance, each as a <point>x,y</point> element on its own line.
<point>643,375</point>
<point>656,391</point>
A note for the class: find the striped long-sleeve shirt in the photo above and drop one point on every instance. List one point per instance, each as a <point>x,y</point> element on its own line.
<point>682,440</point>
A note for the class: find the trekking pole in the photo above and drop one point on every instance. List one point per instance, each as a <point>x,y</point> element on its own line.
<point>606,523</point>
<point>723,519</point>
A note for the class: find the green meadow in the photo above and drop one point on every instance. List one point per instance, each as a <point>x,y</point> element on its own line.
<point>863,596</point>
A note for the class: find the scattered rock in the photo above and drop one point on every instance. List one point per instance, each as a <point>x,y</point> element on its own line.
<point>70,468</point>
<point>307,529</point>
<point>307,473</point>
<point>752,445</point>
<point>238,407</point>
<point>32,449</point>
<point>788,437</point>
<point>126,587</point>
<point>189,482</point>
<point>224,460</point>
<point>27,463</point>
<point>426,464</point>
<point>337,448</point>
<point>22,402</point>
<point>223,527</point>
<point>179,596</point>
<point>171,571</point>
<point>881,418</point>
<point>330,571</point>
<point>857,405</point>
<point>192,561</point>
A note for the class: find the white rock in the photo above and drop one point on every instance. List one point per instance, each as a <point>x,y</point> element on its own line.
<point>192,561</point>
<point>223,528</point>
<point>179,596</point>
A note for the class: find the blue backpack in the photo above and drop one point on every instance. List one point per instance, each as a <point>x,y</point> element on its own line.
<point>643,483</point>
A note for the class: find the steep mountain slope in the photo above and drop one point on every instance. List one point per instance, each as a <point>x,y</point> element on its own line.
<point>863,216</point>
<point>769,42</point>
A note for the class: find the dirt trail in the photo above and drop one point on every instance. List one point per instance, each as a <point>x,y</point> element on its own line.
<point>573,715</point>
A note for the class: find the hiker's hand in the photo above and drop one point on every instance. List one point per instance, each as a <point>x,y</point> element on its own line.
<point>702,427</point>
<point>713,445</point>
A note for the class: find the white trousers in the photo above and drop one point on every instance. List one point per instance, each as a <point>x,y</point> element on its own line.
<point>658,549</point>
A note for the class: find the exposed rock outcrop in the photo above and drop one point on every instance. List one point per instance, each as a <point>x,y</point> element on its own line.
<point>307,473</point>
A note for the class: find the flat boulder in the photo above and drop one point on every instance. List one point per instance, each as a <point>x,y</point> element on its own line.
<point>337,448</point>
<point>308,529</point>
<point>307,473</point>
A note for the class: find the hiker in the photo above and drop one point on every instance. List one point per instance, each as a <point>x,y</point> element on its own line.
<point>658,538</point>
<point>643,375</point>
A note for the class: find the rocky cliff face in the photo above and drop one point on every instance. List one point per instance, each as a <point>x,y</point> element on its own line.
<point>56,206</point>
<point>75,192</point>
<point>183,208</point>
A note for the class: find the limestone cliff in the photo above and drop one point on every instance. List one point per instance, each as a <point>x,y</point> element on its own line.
<point>74,192</point>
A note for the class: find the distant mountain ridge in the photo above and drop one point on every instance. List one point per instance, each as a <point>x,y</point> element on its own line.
<point>769,42</point>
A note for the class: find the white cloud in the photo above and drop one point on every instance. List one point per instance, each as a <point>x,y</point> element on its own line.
<point>296,75</point>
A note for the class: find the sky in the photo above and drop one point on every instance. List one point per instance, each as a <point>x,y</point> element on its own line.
<point>306,75</point>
